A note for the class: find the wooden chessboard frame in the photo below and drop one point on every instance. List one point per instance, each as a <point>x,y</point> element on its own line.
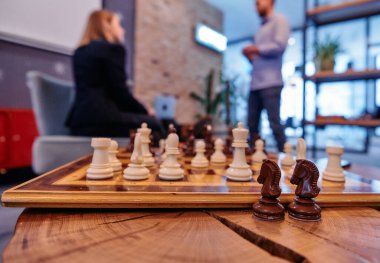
<point>66,187</point>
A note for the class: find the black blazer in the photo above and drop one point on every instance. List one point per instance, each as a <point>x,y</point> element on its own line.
<point>100,81</point>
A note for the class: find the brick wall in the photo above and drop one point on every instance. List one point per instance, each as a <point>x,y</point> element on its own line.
<point>167,59</point>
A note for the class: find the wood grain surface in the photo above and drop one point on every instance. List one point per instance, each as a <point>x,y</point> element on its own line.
<point>344,234</point>
<point>113,236</point>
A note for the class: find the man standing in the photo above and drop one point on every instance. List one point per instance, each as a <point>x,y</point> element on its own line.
<point>265,55</point>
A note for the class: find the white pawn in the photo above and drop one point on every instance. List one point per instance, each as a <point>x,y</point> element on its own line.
<point>136,169</point>
<point>145,141</point>
<point>334,170</point>
<point>239,170</point>
<point>200,160</point>
<point>218,156</point>
<point>259,156</point>
<point>301,149</point>
<point>288,161</point>
<point>112,151</point>
<point>100,167</point>
<point>170,169</point>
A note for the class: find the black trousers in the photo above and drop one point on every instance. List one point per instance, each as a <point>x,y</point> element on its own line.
<point>129,122</point>
<point>268,99</point>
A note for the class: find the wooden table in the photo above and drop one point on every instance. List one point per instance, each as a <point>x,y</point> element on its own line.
<point>345,234</point>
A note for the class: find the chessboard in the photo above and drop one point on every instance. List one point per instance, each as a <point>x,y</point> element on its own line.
<point>68,187</point>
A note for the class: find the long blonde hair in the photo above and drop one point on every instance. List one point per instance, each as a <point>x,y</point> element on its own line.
<point>99,27</point>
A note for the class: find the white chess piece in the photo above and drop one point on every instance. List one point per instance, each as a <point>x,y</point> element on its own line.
<point>112,151</point>
<point>239,170</point>
<point>218,156</point>
<point>259,156</point>
<point>170,169</point>
<point>136,169</point>
<point>145,141</point>
<point>100,167</point>
<point>288,161</point>
<point>301,149</point>
<point>200,160</point>
<point>334,170</point>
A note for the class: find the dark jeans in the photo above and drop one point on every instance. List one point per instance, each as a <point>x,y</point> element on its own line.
<point>268,99</point>
<point>130,122</point>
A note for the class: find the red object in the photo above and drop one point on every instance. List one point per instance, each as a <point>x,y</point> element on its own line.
<point>18,130</point>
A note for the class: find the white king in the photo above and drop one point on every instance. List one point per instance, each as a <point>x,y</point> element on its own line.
<point>239,170</point>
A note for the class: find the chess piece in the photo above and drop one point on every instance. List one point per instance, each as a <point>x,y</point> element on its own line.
<point>145,141</point>
<point>189,146</point>
<point>334,170</point>
<point>228,145</point>
<point>200,160</point>
<point>112,151</point>
<point>136,169</point>
<point>288,161</point>
<point>305,176</point>
<point>208,140</point>
<point>100,167</point>
<point>170,169</point>
<point>130,147</point>
<point>239,170</point>
<point>161,144</point>
<point>301,149</point>
<point>269,207</point>
<point>259,156</point>
<point>171,129</point>
<point>218,156</point>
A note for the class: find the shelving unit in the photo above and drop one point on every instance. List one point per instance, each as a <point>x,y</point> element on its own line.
<point>326,15</point>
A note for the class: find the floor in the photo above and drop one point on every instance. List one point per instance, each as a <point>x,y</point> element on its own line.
<point>8,216</point>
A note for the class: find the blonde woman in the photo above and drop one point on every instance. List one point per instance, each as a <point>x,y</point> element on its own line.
<point>103,105</point>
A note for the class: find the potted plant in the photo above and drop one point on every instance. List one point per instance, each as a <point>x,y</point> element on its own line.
<point>325,53</point>
<point>210,100</point>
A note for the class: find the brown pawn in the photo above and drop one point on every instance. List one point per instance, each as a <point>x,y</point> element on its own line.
<point>172,129</point>
<point>132,135</point>
<point>255,138</point>
<point>305,176</point>
<point>269,207</point>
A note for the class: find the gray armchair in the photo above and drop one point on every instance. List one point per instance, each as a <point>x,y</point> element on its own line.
<point>51,102</point>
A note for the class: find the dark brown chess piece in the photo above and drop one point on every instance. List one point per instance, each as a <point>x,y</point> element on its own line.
<point>255,138</point>
<point>305,176</point>
<point>172,129</point>
<point>189,146</point>
<point>228,151</point>
<point>132,135</point>
<point>269,207</point>
<point>208,140</point>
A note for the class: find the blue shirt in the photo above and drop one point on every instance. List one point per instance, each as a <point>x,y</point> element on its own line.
<point>271,40</point>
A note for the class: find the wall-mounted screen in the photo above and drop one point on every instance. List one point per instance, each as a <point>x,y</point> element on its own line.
<point>210,38</point>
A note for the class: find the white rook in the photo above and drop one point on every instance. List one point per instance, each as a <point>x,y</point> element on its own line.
<point>100,167</point>
<point>334,170</point>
